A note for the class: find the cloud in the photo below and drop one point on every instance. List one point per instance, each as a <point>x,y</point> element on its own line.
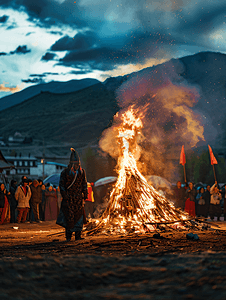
<point>50,73</point>
<point>98,58</point>
<point>29,33</point>
<point>38,75</point>
<point>48,13</point>
<point>114,34</point>
<point>21,50</point>
<point>81,41</point>
<point>4,88</point>
<point>34,80</point>
<point>48,56</point>
<point>80,72</point>
<point>204,20</point>
<point>4,19</point>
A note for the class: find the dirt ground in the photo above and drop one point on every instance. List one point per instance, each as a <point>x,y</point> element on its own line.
<point>37,263</point>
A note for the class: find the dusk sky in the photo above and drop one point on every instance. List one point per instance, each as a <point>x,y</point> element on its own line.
<point>61,40</point>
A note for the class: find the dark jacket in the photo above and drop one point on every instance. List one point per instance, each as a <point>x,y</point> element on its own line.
<point>36,194</point>
<point>191,194</point>
<point>13,202</point>
<point>2,199</point>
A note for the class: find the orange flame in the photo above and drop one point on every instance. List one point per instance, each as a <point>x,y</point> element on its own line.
<point>133,202</point>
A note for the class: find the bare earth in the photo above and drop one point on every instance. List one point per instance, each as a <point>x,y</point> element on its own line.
<point>37,263</point>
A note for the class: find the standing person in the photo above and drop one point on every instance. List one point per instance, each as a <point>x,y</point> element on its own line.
<point>2,202</point>
<point>89,201</point>
<point>200,203</point>
<point>190,202</point>
<point>73,188</point>
<point>42,204</point>
<point>5,215</point>
<point>51,210</point>
<point>36,199</point>
<point>179,195</point>
<point>23,195</point>
<point>206,197</point>
<point>13,202</point>
<point>215,198</point>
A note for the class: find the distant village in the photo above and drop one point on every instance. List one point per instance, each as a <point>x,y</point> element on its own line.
<point>27,164</point>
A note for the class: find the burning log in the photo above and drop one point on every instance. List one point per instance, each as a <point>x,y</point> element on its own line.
<point>134,205</point>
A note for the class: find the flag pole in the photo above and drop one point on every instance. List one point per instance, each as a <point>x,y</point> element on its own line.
<point>213,161</point>
<point>214,173</point>
<point>185,180</point>
<point>183,161</point>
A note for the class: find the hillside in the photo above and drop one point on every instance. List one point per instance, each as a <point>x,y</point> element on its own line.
<point>57,87</point>
<point>78,117</point>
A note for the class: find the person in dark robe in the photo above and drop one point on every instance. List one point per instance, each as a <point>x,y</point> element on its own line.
<point>73,188</point>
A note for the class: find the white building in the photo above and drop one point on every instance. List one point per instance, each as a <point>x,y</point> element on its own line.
<point>30,166</point>
<point>47,169</point>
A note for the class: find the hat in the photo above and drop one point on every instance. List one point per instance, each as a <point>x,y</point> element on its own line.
<point>74,158</point>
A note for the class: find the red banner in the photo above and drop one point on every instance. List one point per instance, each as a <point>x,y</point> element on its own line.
<point>182,156</point>
<point>212,157</point>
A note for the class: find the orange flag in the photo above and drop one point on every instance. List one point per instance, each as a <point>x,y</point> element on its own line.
<point>182,156</point>
<point>212,157</point>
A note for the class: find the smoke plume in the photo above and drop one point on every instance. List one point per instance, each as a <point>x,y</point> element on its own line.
<point>165,100</point>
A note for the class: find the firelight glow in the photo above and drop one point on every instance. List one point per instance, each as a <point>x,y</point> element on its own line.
<point>133,203</point>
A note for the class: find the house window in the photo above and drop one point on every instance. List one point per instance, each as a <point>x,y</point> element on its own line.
<point>15,163</point>
<point>20,163</point>
<point>26,163</point>
<point>31,163</point>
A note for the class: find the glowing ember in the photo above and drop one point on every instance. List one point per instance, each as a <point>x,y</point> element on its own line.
<point>133,202</point>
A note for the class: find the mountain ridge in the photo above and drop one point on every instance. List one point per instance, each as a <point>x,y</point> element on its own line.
<point>92,108</point>
<point>59,87</point>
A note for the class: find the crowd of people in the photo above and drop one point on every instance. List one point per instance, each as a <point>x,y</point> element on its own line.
<point>32,201</point>
<point>29,201</point>
<point>203,201</point>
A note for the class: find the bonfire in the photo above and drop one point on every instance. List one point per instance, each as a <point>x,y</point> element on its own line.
<point>134,206</point>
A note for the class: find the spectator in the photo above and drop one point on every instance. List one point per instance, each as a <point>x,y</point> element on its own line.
<point>190,202</point>
<point>13,202</point>
<point>179,195</point>
<point>51,209</point>
<point>2,203</point>
<point>23,195</point>
<point>41,205</point>
<point>5,215</point>
<point>200,203</point>
<point>206,197</point>
<point>215,207</point>
<point>89,201</point>
<point>36,199</point>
